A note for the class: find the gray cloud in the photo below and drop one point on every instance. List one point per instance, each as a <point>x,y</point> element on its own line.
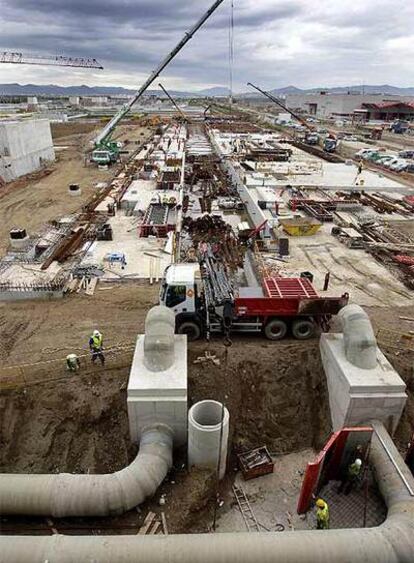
<point>276,42</point>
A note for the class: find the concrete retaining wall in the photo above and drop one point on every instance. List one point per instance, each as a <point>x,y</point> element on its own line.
<point>25,146</point>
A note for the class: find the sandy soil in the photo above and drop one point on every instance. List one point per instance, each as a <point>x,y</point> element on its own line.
<point>32,201</point>
<point>38,330</point>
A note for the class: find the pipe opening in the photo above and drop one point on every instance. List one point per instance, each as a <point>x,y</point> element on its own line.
<point>207,413</point>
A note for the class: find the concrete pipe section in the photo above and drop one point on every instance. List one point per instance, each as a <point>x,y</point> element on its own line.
<point>359,339</point>
<point>65,494</point>
<point>392,542</point>
<point>208,435</point>
<point>159,338</point>
<point>74,190</point>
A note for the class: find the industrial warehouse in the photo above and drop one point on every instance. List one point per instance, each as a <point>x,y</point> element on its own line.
<point>206,316</point>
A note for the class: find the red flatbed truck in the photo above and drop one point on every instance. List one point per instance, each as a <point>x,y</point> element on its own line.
<point>204,302</point>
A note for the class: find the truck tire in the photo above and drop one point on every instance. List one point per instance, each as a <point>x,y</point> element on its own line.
<point>302,329</point>
<point>191,329</point>
<point>275,329</point>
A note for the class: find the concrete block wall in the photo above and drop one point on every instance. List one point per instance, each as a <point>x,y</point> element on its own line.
<point>24,147</point>
<point>159,396</point>
<point>357,395</point>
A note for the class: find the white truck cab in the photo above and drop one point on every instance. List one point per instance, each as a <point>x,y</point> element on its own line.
<point>181,287</point>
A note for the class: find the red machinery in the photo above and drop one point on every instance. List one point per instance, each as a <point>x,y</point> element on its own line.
<point>204,301</point>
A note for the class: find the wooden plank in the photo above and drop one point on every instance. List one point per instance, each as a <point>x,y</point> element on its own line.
<point>147,523</point>
<point>90,290</point>
<point>80,284</point>
<point>164,523</point>
<point>155,528</point>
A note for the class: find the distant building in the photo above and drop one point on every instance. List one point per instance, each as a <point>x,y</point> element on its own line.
<point>94,100</point>
<point>341,105</point>
<point>389,111</point>
<point>25,146</point>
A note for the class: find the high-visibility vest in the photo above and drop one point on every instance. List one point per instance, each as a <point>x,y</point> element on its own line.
<point>97,341</point>
<point>354,470</point>
<point>322,514</point>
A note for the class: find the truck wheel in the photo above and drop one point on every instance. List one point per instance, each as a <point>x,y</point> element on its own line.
<point>191,329</point>
<point>303,329</point>
<point>275,329</point>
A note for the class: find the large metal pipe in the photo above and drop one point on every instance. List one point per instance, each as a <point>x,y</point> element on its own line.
<point>65,494</point>
<point>389,543</point>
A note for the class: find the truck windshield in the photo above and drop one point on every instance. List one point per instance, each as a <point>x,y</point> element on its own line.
<point>176,294</point>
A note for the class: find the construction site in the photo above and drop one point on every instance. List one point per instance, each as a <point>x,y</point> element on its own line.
<point>206,333</point>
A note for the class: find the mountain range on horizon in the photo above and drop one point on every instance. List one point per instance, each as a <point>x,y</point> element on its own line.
<point>84,90</point>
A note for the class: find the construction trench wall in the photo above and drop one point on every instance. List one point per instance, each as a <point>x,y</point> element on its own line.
<point>389,543</point>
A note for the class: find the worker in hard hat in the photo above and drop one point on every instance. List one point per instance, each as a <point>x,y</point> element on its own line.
<point>72,362</point>
<point>96,347</point>
<point>351,477</point>
<point>322,515</point>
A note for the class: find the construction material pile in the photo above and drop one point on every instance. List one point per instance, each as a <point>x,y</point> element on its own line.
<point>214,231</point>
<point>217,285</point>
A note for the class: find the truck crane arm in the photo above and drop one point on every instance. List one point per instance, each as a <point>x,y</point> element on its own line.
<point>108,129</point>
<point>330,142</point>
<point>180,111</point>
<point>277,102</point>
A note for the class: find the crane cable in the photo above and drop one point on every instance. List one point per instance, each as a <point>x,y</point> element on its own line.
<point>231,61</point>
<point>231,51</point>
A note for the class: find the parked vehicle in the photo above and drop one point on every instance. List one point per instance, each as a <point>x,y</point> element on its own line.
<point>229,203</point>
<point>406,154</point>
<point>400,166</point>
<point>362,152</point>
<point>204,302</point>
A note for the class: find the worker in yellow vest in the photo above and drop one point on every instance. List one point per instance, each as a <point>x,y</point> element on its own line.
<point>96,347</point>
<point>72,362</point>
<point>322,515</point>
<point>351,476</point>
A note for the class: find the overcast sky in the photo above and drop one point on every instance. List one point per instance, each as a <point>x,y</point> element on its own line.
<point>276,42</point>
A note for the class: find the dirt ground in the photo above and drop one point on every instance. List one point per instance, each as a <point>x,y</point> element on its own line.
<point>42,330</point>
<point>80,425</point>
<point>32,201</point>
<point>275,392</point>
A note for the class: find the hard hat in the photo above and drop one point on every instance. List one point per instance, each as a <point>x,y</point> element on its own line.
<point>96,333</point>
<point>320,503</point>
<point>358,462</point>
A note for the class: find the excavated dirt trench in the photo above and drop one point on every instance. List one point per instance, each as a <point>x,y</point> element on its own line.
<point>276,395</point>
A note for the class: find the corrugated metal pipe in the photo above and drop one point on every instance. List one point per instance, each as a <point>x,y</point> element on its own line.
<point>392,542</point>
<point>65,494</point>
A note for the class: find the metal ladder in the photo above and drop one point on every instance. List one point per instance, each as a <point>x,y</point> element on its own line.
<point>245,509</point>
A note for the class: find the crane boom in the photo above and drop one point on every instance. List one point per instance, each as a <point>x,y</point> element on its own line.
<point>107,130</point>
<point>180,111</point>
<point>57,60</point>
<point>276,101</point>
<point>329,144</point>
